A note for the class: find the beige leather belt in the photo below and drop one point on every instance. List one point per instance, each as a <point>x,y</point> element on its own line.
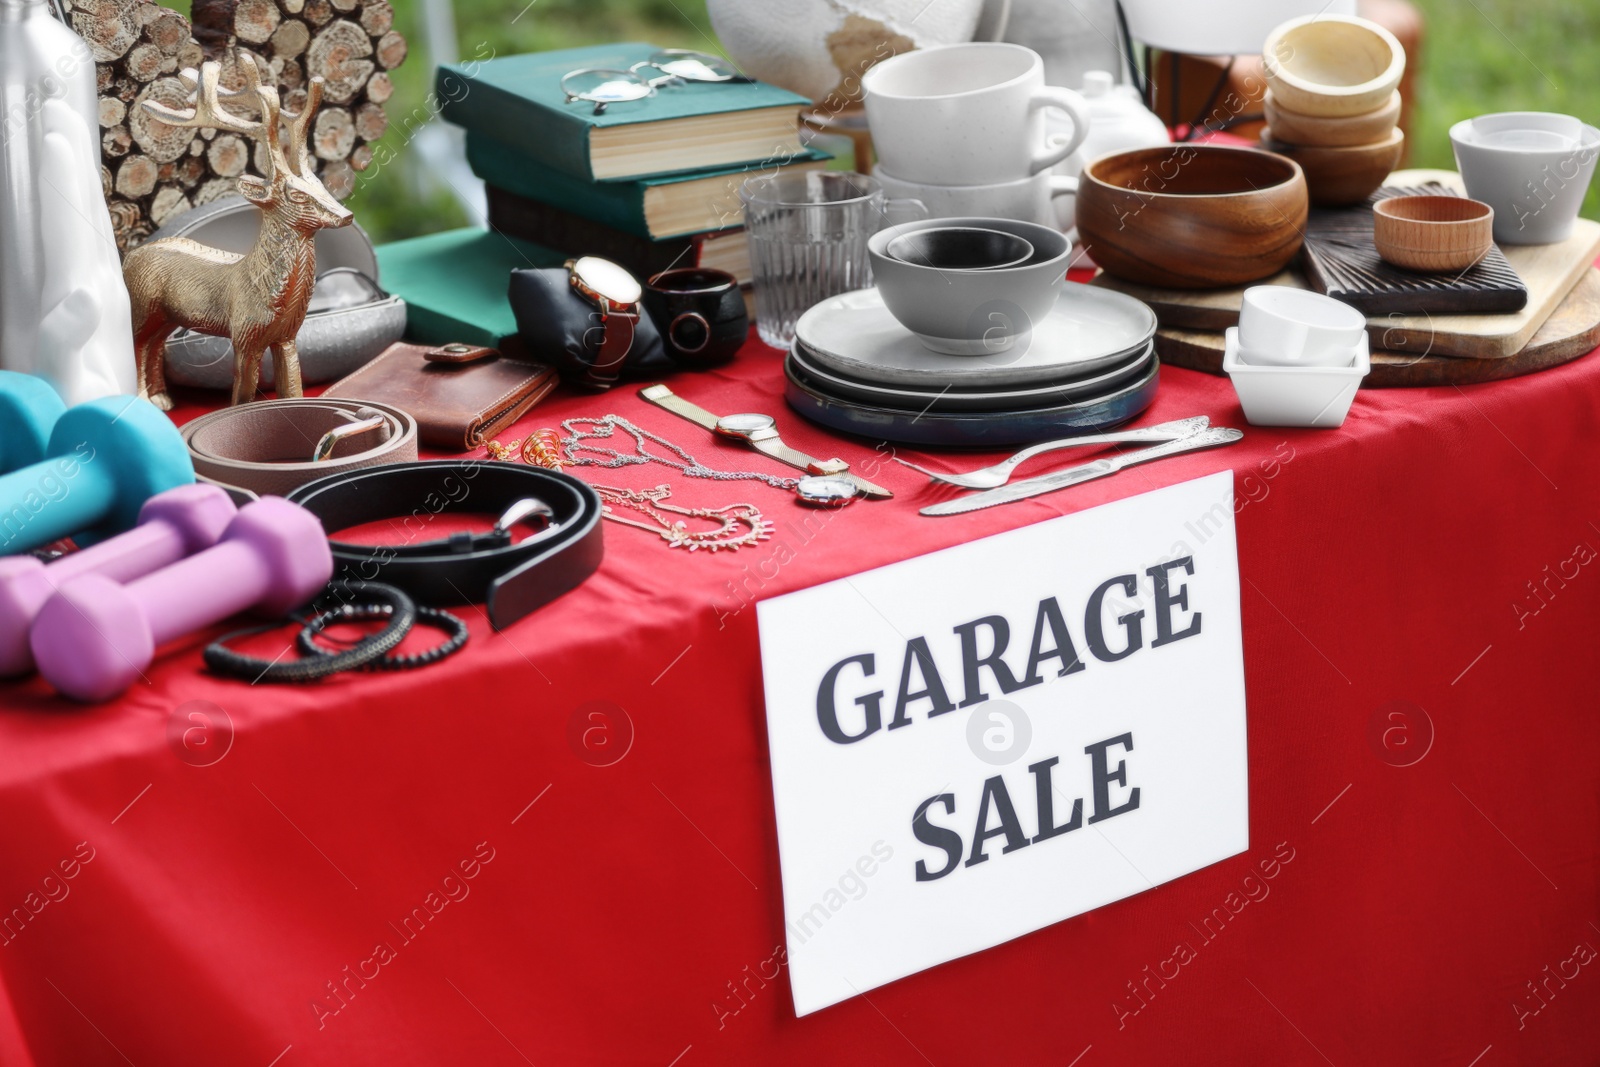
<point>272,447</point>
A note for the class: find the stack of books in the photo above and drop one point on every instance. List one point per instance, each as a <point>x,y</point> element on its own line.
<point>650,184</point>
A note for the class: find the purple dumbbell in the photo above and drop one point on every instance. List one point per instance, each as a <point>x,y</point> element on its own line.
<point>172,525</point>
<point>95,637</point>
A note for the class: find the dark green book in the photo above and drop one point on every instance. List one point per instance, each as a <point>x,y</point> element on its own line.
<point>673,205</point>
<point>454,283</point>
<point>692,126</point>
<point>549,227</point>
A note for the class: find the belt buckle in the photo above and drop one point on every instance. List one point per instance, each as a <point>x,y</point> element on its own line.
<point>527,507</point>
<point>330,440</point>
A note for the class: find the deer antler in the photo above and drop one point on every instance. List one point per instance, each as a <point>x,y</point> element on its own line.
<point>205,110</point>
<point>297,150</point>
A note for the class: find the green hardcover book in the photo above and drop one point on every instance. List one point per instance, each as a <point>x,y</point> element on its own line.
<point>657,207</point>
<point>691,126</point>
<point>455,283</point>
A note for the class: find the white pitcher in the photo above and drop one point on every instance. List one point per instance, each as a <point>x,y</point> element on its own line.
<point>64,312</point>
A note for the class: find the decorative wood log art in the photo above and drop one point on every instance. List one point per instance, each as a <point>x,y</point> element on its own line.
<point>152,171</point>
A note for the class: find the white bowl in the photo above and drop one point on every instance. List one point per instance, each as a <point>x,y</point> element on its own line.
<point>1281,326</point>
<point>1317,397</point>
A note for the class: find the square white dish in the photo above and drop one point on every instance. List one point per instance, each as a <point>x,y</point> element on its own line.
<point>1317,397</point>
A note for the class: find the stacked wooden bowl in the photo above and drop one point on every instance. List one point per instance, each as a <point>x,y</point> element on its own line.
<point>1332,104</point>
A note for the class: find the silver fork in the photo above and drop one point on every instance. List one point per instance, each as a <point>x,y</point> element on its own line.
<point>1000,473</point>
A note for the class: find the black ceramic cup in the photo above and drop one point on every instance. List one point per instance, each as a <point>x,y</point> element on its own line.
<point>700,314</point>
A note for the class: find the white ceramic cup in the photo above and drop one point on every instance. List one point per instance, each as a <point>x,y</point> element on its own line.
<point>1532,167</point>
<point>1027,200</point>
<point>1284,327</point>
<point>968,114</point>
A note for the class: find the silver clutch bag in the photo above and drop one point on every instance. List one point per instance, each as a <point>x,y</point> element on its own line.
<point>349,322</point>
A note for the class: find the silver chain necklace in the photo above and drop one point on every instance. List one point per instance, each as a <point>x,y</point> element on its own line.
<point>603,428</point>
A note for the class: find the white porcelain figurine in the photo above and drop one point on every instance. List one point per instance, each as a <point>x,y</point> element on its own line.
<point>63,307</point>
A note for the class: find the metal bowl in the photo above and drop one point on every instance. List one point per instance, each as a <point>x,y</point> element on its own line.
<point>350,321</point>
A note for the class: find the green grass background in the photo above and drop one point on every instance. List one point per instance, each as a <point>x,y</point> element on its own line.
<point>1478,56</point>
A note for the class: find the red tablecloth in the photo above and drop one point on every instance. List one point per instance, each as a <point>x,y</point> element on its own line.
<point>433,869</point>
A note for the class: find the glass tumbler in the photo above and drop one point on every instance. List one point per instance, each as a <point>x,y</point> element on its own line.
<point>808,235</point>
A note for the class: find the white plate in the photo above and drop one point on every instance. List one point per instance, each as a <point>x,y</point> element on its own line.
<point>855,336</point>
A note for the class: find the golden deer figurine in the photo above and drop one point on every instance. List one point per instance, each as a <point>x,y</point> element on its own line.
<point>257,300</point>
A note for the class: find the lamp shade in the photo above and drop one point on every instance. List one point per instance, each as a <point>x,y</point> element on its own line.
<point>1218,27</point>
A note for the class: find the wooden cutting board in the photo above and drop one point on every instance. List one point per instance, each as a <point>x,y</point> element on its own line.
<point>1549,271</point>
<point>1572,331</point>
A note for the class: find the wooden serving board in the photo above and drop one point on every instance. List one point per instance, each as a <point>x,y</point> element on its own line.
<point>1341,259</point>
<point>1549,272</point>
<point>1572,331</point>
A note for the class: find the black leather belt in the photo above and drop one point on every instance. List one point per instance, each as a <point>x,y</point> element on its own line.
<point>512,574</point>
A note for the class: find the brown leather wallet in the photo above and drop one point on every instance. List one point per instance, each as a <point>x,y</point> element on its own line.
<point>460,395</point>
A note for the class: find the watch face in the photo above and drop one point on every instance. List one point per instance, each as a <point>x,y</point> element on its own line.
<point>744,425</point>
<point>826,491</point>
<point>608,279</point>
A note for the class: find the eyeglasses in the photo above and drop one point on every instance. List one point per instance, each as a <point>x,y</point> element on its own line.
<point>604,86</point>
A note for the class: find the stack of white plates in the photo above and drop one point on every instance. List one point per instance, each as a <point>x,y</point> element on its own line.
<point>1090,365</point>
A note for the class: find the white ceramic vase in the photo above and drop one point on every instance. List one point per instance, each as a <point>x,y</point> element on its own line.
<point>814,47</point>
<point>64,312</point>
<point>1219,27</point>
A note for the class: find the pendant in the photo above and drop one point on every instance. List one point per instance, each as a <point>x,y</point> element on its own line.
<point>738,525</point>
<point>756,529</point>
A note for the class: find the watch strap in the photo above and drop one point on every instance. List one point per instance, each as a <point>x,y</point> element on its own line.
<point>773,446</point>
<point>663,397</point>
<point>618,326</point>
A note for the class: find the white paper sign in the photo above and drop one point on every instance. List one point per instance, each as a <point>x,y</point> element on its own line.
<point>935,798</point>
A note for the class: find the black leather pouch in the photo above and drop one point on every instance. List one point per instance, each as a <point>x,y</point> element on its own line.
<point>561,328</point>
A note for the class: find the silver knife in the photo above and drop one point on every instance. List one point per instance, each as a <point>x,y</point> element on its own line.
<point>1049,483</point>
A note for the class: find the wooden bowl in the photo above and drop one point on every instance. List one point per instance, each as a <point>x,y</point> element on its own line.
<point>1339,177</point>
<point>1192,216</point>
<point>1294,128</point>
<point>1433,234</point>
<point>1333,65</point>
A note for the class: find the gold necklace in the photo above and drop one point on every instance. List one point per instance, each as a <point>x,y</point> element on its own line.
<point>675,532</point>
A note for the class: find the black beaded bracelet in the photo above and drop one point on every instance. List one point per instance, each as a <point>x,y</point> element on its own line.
<point>401,613</point>
<point>455,630</point>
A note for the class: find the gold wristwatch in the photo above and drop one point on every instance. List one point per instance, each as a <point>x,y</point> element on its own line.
<point>760,432</point>
<point>616,295</point>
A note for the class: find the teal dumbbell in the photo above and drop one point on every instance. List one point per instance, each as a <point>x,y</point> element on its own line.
<point>104,459</point>
<point>29,409</point>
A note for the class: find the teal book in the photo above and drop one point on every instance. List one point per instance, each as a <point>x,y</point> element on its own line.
<point>682,127</point>
<point>657,207</point>
<point>455,283</point>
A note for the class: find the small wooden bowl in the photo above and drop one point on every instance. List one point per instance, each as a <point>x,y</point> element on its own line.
<point>1294,128</point>
<point>1333,65</point>
<point>1341,176</point>
<point>1192,216</point>
<point>1433,234</point>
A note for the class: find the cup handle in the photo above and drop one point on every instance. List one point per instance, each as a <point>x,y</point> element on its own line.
<point>915,209</point>
<point>1063,185</point>
<point>1077,109</point>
